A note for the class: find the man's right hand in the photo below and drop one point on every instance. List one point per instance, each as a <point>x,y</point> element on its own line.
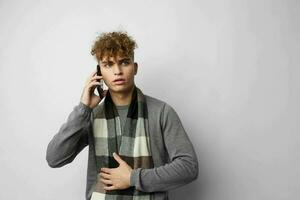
<point>88,97</point>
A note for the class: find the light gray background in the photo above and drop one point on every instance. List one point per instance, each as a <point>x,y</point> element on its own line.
<point>229,68</point>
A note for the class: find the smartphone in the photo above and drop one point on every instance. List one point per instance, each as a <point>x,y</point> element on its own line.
<point>101,87</point>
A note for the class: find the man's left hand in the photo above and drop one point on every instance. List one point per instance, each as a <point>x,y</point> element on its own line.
<point>116,178</point>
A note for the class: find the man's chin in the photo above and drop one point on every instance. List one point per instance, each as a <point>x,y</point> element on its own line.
<point>120,89</point>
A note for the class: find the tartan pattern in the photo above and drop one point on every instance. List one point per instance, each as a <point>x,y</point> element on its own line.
<point>131,144</point>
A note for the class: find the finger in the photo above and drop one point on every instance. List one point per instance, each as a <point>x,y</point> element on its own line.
<point>91,75</point>
<point>96,78</point>
<point>104,175</point>
<point>109,187</point>
<point>105,181</point>
<point>93,84</point>
<point>106,170</point>
<point>118,158</point>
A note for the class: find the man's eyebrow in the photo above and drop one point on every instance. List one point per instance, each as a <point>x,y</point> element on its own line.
<point>124,59</point>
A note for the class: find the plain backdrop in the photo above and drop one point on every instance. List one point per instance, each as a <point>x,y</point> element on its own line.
<point>229,68</point>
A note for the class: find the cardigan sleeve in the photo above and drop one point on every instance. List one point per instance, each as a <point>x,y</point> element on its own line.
<point>71,138</point>
<point>183,166</point>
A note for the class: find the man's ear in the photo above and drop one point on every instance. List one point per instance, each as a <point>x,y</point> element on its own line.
<point>135,68</point>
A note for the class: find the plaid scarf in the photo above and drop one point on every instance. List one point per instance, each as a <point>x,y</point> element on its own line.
<point>131,143</point>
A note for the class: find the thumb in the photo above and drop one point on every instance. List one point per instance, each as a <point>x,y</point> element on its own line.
<point>117,158</point>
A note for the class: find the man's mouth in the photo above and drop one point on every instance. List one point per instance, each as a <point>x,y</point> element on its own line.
<point>119,81</point>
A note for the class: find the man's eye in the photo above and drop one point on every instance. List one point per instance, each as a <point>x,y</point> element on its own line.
<point>125,63</point>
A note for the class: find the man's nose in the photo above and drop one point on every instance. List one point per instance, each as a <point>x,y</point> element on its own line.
<point>117,69</point>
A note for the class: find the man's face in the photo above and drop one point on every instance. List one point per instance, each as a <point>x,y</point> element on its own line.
<point>121,68</point>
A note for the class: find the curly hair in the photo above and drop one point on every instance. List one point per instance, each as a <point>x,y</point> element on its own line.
<point>112,44</point>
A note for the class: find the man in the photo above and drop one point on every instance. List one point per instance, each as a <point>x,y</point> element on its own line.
<point>138,148</point>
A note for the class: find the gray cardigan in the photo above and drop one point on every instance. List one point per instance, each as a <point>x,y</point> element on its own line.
<point>175,160</point>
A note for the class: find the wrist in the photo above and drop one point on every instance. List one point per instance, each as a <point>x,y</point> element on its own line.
<point>129,176</point>
<point>85,106</point>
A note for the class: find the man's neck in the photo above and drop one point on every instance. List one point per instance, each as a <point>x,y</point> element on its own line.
<point>121,99</point>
